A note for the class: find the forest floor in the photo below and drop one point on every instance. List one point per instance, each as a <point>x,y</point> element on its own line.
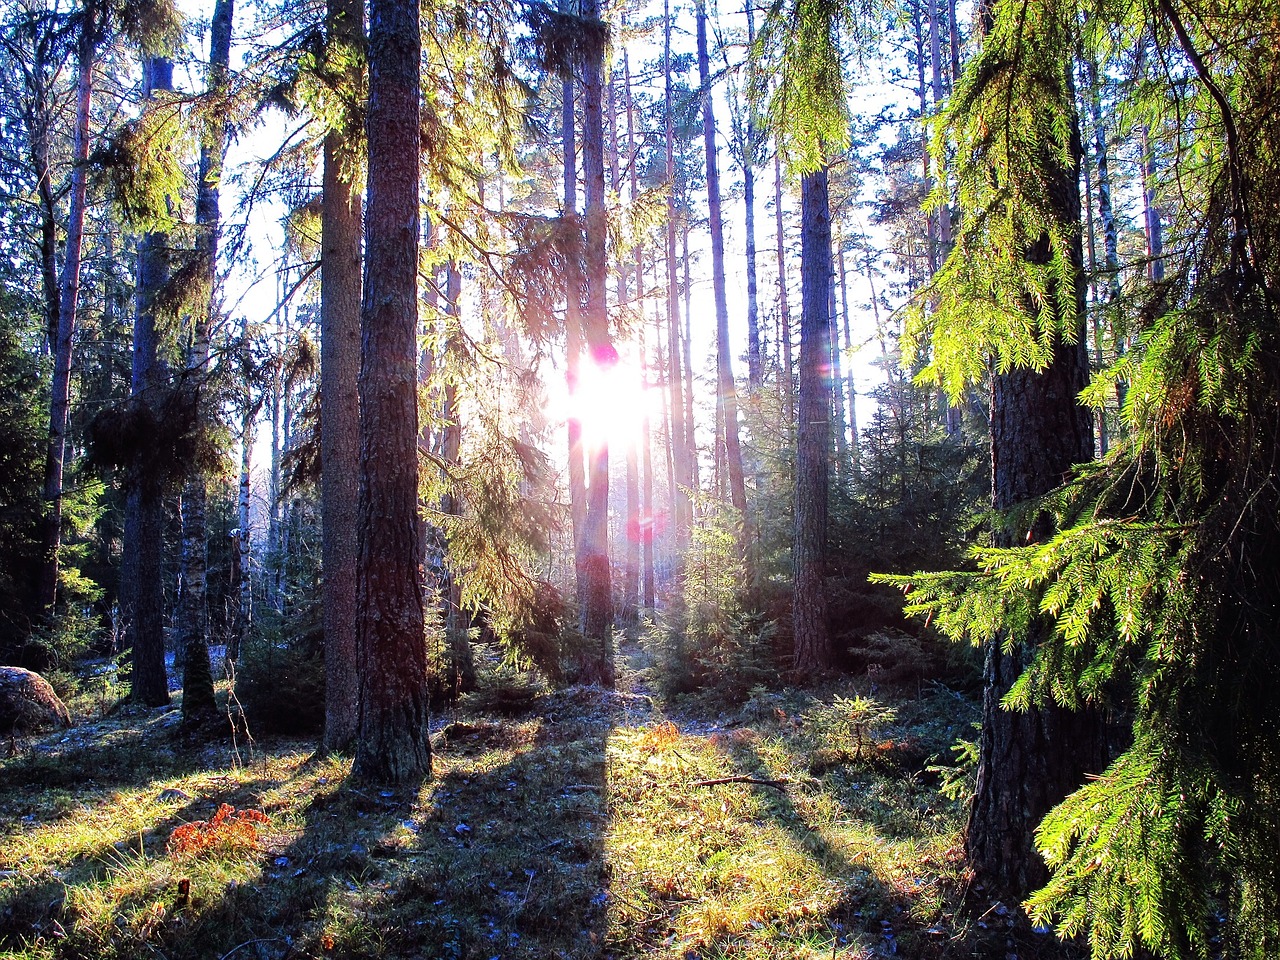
<point>591,824</point>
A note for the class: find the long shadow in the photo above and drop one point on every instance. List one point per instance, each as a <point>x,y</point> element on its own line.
<point>499,855</point>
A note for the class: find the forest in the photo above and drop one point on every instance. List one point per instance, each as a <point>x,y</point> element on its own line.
<point>615,480</point>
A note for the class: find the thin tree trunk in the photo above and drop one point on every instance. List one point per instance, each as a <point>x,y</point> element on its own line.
<point>141,569</point>
<point>66,309</point>
<point>341,227</point>
<point>456,623</point>
<point>690,427</point>
<point>244,542</point>
<point>755,359</point>
<point>848,350</point>
<point>939,95</point>
<point>728,390</point>
<point>784,310</point>
<point>680,450</point>
<point>636,510</point>
<point>193,612</point>
<point>837,380</point>
<point>393,743</point>
<point>813,443</point>
<point>573,331</point>
<point>597,608</point>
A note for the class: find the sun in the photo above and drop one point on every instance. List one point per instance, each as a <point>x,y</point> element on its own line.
<point>611,402</point>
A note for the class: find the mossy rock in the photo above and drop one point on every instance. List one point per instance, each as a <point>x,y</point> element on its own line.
<point>28,703</point>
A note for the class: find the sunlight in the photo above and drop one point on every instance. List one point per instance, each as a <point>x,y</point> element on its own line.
<point>611,402</point>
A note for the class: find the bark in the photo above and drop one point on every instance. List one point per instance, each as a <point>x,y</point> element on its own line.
<point>597,600</point>
<point>573,330</point>
<point>456,624</point>
<point>686,343</point>
<point>193,612</point>
<point>755,360</point>
<point>784,309</point>
<point>848,350</point>
<point>939,94</point>
<point>66,308</point>
<point>340,294</point>
<point>728,391</point>
<point>837,381</point>
<point>244,542</point>
<point>640,528</point>
<point>1028,762</point>
<point>393,743</point>
<point>812,650</point>
<point>680,450</point>
<point>142,566</point>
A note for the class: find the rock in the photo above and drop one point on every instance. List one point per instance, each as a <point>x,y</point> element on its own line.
<point>28,704</point>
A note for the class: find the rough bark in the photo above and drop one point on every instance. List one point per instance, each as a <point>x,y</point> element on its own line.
<point>393,743</point>
<point>812,649</point>
<point>728,390</point>
<point>68,296</point>
<point>141,568</point>
<point>1028,762</point>
<point>340,294</point>
<point>193,612</point>
<point>597,593</point>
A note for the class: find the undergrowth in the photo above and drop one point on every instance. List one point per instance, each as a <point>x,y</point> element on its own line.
<point>591,826</point>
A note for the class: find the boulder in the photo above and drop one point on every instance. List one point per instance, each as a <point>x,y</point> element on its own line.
<point>28,704</point>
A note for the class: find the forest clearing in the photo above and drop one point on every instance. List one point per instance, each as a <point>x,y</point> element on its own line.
<point>587,824</point>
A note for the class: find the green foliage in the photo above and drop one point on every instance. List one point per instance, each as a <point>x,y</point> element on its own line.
<point>147,165</point>
<point>1005,131</point>
<point>280,675</point>
<point>706,637</point>
<point>848,723</point>
<point>797,72</point>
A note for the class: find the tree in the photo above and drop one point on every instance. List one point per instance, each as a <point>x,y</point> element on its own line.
<point>597,601</point>
<point>340,294</point>
<point>393,743</point>
<point>798,68</point>
<point>727,389</point>
<point>141,568</point>
<point>193,610</point>
<point>64,300</point>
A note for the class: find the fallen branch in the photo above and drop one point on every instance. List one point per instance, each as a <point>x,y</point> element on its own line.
<point>776,784</point>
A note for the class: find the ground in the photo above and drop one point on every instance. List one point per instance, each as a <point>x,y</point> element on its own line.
<point>593,824</point>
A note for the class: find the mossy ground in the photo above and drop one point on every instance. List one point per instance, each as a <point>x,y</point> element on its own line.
<point>586,828</point>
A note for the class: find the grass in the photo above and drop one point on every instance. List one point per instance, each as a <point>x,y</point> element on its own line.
<point>594,826</point>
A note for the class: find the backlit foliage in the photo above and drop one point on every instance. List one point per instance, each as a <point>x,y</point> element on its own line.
<point>1162,583</point>
<point>229,831</point>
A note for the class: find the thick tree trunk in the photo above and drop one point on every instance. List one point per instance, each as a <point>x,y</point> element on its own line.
<point>142,567</point>
<point>597,594</point>
<point>813,443</point>
<point>64,311</point>
<point>393,743</point>
<point>193,612</point>
<point>340,293</point>
<point>728,390</point>
<point>1028,762</point>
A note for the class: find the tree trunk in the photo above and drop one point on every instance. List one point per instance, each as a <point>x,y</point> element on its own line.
<point>573,331</point>
<point>340,294</point>
<point>755,360</point>
<point>456,625</point>
<point>393,743</point>
<point>1028,762</point>
<point>244,542</point>
<point>686,343</point>
<point>813,441</point>
<point>142,567</point>
<point>784,310</point>
<point>193,612</point>
<point>728,390</point>
<point>837,381</point>
<point>597,595</point>
<point>848,349</point>
<point>680,451</point>
<point>68,296</point>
